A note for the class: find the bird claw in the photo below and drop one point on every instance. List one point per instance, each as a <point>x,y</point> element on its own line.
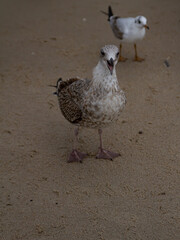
<point>105,154</point>
<point>76,156</point>
<point>138,59</point>
<point>122,59</point>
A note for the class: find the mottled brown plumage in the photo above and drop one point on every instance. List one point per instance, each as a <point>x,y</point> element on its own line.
<point>94,103</point>
<point>70,96</point>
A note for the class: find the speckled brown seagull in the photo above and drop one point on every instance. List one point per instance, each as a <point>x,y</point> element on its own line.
<point>93,103</point>
<point>127,30</point>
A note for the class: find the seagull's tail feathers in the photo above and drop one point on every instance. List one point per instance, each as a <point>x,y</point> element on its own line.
<point>60,85</point>
<point>104,13</point>
<point>57,86</point>
<point>110,13</point>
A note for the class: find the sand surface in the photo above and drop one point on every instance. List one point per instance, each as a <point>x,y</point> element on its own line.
<point>42,197</point>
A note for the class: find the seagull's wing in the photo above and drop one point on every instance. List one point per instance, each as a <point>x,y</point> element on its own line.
<point>122,25</point>
<point>117,26</point>
<point>68,93</point>
<point>125,25</point>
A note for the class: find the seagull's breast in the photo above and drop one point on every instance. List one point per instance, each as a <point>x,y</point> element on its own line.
<point>134,34</point>
<point>104,110</point>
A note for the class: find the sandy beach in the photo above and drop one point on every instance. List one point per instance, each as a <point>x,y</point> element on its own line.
<point>42,197</point>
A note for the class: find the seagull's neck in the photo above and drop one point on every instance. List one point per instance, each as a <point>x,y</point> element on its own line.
<point>103,80</point>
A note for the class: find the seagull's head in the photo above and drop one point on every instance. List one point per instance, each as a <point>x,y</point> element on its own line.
<point>141,22</point>
<point>109,57</point>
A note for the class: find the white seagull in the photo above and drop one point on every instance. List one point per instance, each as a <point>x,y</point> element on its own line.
<point>93,103</point>
<point>129,30</point>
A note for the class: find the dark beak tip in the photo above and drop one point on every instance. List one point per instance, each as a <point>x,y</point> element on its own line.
<point>111,62</point>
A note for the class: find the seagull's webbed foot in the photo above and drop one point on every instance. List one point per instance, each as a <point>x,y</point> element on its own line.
<point>76,156</point>
<point>105,154</point>
<point>138,59</point>
<point>122,59</point>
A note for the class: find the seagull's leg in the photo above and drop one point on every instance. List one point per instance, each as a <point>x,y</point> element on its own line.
<point>121,58</point>
<point>75,155</point>
<point>136,58</point>
<point>105,154</point>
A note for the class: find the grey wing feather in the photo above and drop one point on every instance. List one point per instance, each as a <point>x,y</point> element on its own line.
<point>116,29</point>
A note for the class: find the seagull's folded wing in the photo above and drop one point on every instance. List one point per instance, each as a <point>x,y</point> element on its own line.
<point>68,104</point>
<point>122,25</point>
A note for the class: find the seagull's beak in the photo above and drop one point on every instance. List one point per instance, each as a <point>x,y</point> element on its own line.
<point>110,64</point>
<point>146,26</point>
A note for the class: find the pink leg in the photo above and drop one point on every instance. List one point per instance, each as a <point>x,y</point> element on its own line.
<point>105,154</point>
<point>75,155</point>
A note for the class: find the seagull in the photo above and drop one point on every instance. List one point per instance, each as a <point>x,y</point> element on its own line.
<point>94,103</point>
<point>127,30</point>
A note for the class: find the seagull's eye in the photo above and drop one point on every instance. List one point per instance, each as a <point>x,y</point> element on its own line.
<point>102,53</point>
<point>117,54</point>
